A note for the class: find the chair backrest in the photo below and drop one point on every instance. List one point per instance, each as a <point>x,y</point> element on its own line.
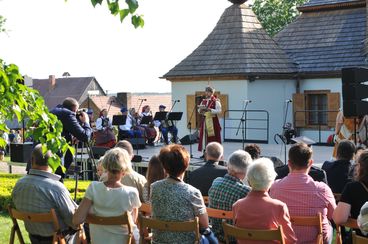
<point>219,214</point>
<point>310,221</point>
<point>351,223</point>
<point>359,239</point>
<point>124,219</point>
<point>252,234</point>
<point>145,209</point>
<point>49,217</point>
<point>184,226</point>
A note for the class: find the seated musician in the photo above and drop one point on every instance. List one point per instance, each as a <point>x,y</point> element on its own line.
<point>130,129</point>
<point>150,131</point>
<point>166,126</point>
<point>104,134</point>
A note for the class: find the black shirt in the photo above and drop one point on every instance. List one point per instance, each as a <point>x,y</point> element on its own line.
<point>337,174</point>
<point>355,195</point>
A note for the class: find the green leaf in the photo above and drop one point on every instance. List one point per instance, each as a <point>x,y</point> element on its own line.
<point>123,13</point>
<point>137,21</point>
<point>114,7</point>
<point>133,5</point>
<point>95,2</point>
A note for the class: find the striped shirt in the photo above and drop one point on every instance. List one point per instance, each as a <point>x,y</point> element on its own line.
<point>306,197</point>
<point>224,192</point>
<point>40,191</point>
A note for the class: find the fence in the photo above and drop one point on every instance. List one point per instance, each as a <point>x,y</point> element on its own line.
<point>246,125</point>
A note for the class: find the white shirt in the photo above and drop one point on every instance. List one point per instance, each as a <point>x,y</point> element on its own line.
<point>99,123</point>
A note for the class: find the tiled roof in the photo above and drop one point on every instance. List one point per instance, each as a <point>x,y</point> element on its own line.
<point>64,87</point>
<point>153,100</point>
<point>102,102</point>
<point>326,41</point>
<point>237,45</point>
<point>315,3</point>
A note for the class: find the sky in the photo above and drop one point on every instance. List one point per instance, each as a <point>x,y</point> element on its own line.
<point>50,37</point>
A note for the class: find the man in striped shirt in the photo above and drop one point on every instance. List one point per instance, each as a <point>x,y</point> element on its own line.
<point>304,196</point>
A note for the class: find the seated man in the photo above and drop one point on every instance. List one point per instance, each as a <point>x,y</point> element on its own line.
<point>338,171</point>
<point>38,192</point>
<point>303,195</point>
<point>130,129</point>
<point>166,126</point>
<point>203,177</point>
<point>225,191</point>
<point>133,179</point>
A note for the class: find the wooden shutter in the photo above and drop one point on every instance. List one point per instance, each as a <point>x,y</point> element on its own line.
<point>224,104</point>
<point>190,106</point>
<point>298,109</point>
<point>333,104</point>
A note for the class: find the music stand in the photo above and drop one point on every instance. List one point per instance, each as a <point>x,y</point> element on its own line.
<point>119,119</point>
<point>175,116</point>
<point>160,116</point>
<point>146,120</point>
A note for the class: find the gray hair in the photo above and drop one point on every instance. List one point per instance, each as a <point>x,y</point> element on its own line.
<point>214,150</point>
<point>261,174</point>
<point>239,161</point>
<point>117,159</point>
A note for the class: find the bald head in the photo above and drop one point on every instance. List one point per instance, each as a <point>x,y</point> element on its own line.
<point>214,151</point>
<point>38,158</point>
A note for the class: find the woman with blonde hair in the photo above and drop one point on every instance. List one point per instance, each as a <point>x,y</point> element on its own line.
<point>110,198</point>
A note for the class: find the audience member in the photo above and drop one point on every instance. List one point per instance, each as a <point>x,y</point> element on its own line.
<point>355,193</point>
<point>101,171</point>
<point>132,178</point>
<point>363,219</point>
<point>203,177</point>
<point>155,172</point>
<point>225,191</point>
<point>110,198</point>
<point>338,171</point>
<point>303,195</point>
<point>38,192</point>
<point>254,150</point>
<point>258,210</point>
<point>174,200</point>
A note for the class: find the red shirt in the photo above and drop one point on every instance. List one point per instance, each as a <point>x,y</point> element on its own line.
<point>306,197</point>
<point>259,211</point>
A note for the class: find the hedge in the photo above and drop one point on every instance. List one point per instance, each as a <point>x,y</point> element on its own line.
<point>7,183</point>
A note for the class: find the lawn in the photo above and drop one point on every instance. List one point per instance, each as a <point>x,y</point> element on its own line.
<point>6,224</point>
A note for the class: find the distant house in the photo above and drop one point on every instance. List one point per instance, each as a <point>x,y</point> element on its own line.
<point>303,63</point>
<point>55,90</point>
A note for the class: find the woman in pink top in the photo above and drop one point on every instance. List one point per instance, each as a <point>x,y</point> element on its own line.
<point>258,210</point>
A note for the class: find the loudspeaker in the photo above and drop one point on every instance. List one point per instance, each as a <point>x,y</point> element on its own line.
<point>188,139</point>
<point>21,152</point>
<point>354,91</point>
<point>139,143</point>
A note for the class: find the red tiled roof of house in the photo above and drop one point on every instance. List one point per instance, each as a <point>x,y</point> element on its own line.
<point>153,100</point>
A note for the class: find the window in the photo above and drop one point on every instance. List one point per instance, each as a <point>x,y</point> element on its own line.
<point>317,107</point>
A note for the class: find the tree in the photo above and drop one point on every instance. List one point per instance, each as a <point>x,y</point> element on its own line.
<point>2,24</point>
<point>274,15</point>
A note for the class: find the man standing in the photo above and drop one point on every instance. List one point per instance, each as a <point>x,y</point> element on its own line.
<point>38,192</point>
<point>225,191</point>
<point>210,129</point>
<point>304,196</point>
<point>72,128</point>
<point>203,177</point>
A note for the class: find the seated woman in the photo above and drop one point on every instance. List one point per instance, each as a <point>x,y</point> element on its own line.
<point>355,193</point>
<point>146,122</point>
<point>174,200</point>
<point>131,128</point>
<point>110,198</point>
<point>258,210</point>
<point>155,172</point>
<point>104,134</point>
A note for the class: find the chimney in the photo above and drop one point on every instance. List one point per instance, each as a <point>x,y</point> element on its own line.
<point>52,82</point>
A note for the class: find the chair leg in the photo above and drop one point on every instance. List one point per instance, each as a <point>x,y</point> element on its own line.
<point>12,235</point>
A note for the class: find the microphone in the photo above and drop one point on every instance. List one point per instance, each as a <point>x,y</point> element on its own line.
<point>247,101</point>
<point>143,99</point>
<point>176,101</point>
<point>289,101</point>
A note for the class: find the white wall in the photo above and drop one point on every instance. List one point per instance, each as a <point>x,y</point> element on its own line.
<point>267,95</point>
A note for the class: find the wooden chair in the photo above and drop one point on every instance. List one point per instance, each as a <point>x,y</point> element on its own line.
<point>253,234</point>
<point>185,226</point>
<point>219,214</point>
<point>124,219</point>
<point>49,217</point>
<point>206,200</point>
<point>337,197</point>
<point>351,223</point>
<point>310,221</point>
<point>359,239</point>
<point>145,209</point>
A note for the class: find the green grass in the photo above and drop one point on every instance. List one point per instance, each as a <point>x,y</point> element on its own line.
<point>6,224</point>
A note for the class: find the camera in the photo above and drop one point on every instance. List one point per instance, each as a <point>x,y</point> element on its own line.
<point>79,113</point>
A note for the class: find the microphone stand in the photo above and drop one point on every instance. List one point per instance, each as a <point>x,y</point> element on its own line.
<point>142,100</point>
<point>189,126</point>
<point>242,123</point>
<point>283,137</point>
